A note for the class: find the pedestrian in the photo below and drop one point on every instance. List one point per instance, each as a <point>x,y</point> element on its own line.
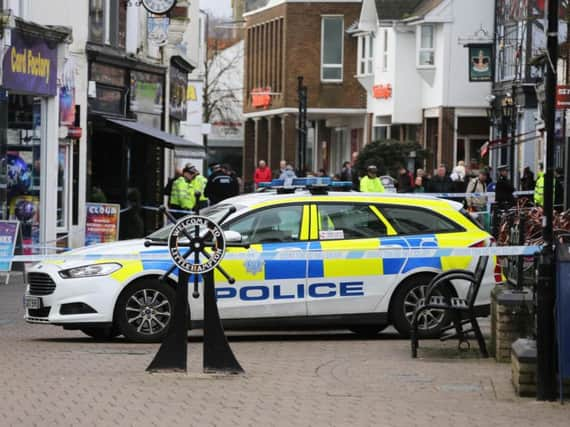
<point>478,185</point>
<point>370,183</point>
<point>504,189</point>
<point>539,187</point>
<point>322,173</point>
<point>527,180</point>
<point>262,174</point>
<point>236,180</point>
<point>182,196</point>
<point>288,173</point>
<point>440,182</point>
<point>405,181</point>
<point>282,167</point>
<point>220,185</point>
<point>346,172</point>
<point>168,187</point>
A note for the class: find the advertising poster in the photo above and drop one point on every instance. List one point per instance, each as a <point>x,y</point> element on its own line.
<point>8,239</point>
<point>480,63</point>
<point>102,223</point>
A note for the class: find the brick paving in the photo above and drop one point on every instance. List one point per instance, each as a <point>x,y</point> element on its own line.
<point>54,377</point>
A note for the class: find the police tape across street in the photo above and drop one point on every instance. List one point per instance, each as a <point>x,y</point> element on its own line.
<point>382,253</point>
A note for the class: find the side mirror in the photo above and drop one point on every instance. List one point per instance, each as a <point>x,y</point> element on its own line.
<point>232,236</point>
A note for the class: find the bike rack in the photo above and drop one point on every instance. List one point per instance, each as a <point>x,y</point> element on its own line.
<point>218,356</point>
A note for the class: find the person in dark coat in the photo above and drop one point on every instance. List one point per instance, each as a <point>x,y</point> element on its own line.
<point>405,181</point>
<point>441,182</point>
<point>220,185</point>
<point>558,188</point>
<point>527,180</point>
<point>346,172</point>
<point>504,189</point>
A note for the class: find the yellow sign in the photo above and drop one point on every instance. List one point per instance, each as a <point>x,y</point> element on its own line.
<point>191,93</point>
<point>25,62</point>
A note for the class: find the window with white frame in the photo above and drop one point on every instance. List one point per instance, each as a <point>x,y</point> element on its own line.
<point>385,50</point>
<point>365,54</point>
<point>508,52</point>
<point>426,45</point>
<point>332,38</point>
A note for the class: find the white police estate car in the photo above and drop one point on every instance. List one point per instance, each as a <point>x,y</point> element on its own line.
<point>313,260</point>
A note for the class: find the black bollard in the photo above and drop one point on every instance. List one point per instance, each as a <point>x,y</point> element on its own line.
<point>173,353</point>
<point>218,356</point>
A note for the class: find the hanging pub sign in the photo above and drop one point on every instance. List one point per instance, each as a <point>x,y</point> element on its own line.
<point>30,65</point>
<point>563,97</point>
<point>480,62</point>
<point>178,89</point>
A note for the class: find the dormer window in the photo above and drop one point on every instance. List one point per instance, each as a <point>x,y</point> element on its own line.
<point>426,46</point>
<point>365,54</point>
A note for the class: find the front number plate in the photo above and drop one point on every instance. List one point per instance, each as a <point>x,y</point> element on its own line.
<point>33,303</point>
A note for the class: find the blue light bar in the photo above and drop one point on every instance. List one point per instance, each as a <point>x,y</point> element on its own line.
<point>307,182</point>
<point>340,184</point>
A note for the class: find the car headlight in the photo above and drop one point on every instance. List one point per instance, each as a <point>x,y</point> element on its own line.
<point>90,270</point>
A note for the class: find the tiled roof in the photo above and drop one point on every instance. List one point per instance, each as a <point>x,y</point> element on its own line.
<point>426,6</point>
<point>396,9</point>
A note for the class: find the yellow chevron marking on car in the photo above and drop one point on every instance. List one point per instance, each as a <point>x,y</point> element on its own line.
<point>130,268</point>
<point>351,267</point>
<point>249,268</point>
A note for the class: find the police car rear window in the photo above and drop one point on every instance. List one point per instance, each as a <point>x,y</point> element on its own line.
<point>412,220</point>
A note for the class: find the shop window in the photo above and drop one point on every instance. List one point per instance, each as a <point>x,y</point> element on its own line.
<point>426,46</point>
<point>332,37</point>
<point>21,157</point>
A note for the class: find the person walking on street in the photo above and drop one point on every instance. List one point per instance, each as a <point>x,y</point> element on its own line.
<point>262,174</point>
<point>371,183</point>
<point>183,195</point>
<point>220,185</point>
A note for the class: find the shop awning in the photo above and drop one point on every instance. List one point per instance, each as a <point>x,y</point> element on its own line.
<point>167,139</point>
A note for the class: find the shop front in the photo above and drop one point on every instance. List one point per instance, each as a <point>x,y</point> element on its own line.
<point>127,147</point>
<point>31,169</point>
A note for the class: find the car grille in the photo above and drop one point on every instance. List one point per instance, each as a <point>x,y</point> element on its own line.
<point>40,284</point>
<point>40,312</point>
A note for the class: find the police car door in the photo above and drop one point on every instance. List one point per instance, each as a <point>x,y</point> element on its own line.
<point>271,274</point>
<point>350,281</point>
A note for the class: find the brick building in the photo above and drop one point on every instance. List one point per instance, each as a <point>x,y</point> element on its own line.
<point>286,39</point>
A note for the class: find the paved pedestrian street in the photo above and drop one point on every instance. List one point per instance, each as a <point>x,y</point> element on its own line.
<point>56,377</point>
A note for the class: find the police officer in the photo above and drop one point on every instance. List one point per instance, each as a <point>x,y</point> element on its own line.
<point>182,196</point>
<point>199,184</point>
<point>371,183</point>
<point>220,185</point>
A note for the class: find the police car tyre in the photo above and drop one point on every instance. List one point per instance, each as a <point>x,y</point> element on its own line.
<point>101,333</point>
<point>403,307</point>
<point>367,331</point>
<point>144,309</point>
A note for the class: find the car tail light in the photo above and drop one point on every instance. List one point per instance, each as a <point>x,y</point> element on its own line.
<point>480,244</point>
<point>498,272</point>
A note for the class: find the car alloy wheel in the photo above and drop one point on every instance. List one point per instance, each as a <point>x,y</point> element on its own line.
<point>429,319</point>
<point>148,311</point>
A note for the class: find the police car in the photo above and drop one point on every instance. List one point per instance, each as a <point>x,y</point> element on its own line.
<point>314,260</point>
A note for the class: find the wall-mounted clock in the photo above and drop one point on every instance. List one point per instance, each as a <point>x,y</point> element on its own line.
<point>159,7</point>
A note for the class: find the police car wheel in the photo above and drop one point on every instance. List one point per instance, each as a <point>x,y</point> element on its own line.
<point>367,331</point>
<point>404,304</point>
<point>101,333</point>
<point>144,310</point>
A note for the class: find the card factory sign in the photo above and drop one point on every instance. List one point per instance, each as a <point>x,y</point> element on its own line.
<point>30,65</point>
